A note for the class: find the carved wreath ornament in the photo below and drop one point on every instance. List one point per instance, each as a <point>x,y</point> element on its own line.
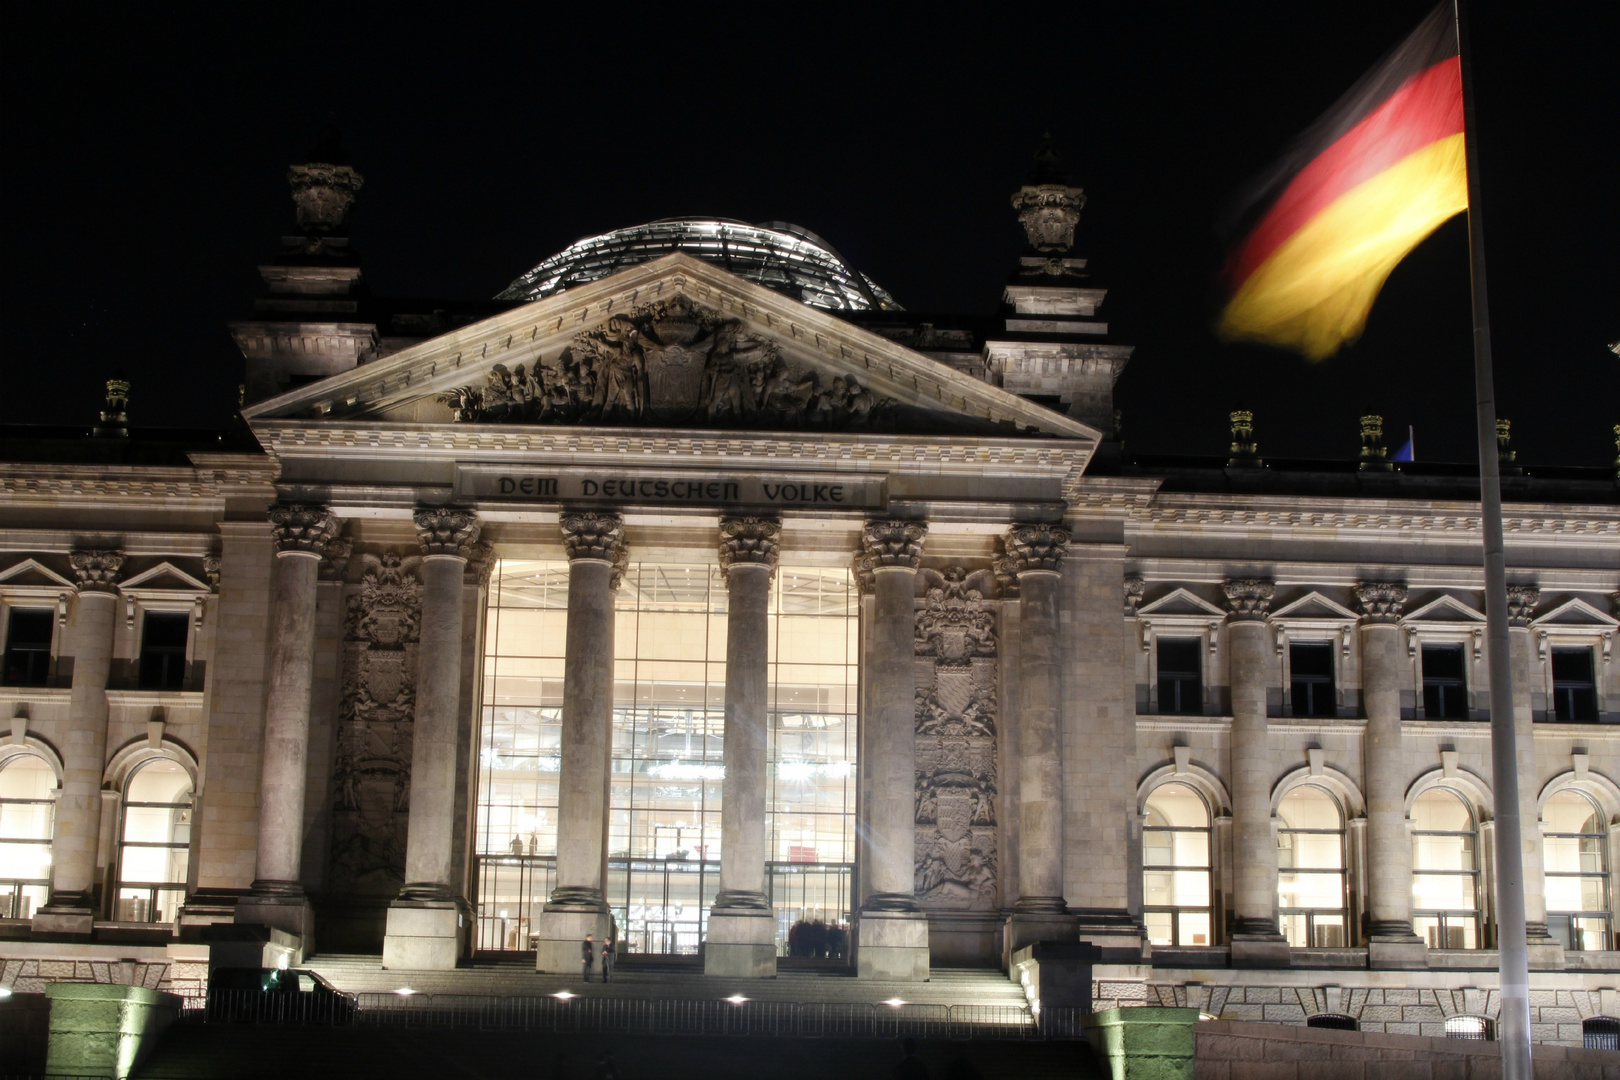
<point>671,362</point>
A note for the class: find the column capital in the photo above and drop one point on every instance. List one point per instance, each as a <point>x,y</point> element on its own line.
<point>892,543</point>
<point>1005,567</point>
<point>442,531</point>
<point>480,563</point>
<point>1380,601</point>
<point>1134,588</point>
<point>1249,598</point>
<point>335,560</point>
<point>1522,601</point>
<point>749,541</point>
<point>302,527</point>
<point>1035,547</point>
<point>591,535</point>
<point>97,569</point>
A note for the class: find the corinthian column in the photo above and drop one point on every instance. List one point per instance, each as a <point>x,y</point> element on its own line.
<point>891,934</point>
<point>1255,940</point>
<point>427,922</point>
<point>72,907</point>
<point>1545,952</point>
<point>1391,943</point>
<point>741,937</point>
<point>578,906</point>
<point>1035,556</point>
<point>301,533</point>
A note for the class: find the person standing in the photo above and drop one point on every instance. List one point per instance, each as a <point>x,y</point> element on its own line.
<point>587,956</point>
<point>608,957</point>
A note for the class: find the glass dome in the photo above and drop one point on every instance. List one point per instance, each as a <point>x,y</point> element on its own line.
<point>792,261</point>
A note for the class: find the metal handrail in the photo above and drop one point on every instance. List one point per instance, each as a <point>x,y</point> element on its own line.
<point>640,1016</point>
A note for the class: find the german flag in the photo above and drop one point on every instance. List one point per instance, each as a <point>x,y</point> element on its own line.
<point>1357,191</point>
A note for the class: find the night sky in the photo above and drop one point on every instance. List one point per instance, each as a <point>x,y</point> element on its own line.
<point>145,150</point>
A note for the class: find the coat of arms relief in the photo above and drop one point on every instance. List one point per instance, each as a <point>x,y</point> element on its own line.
<point>670,362</point>
<point>375,720</point>
<point>956,741</point>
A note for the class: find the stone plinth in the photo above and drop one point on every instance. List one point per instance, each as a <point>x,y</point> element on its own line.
<point>1144,1043</point>
<point>740,944</point>
<point>255,945</point>
<point>892,945</point>
<point>560,932</point>
<point>424,935</point>
<point>1026,928</point>
<point>105,1030</point>
<point>1057,975</point>
<point>1397,953</point>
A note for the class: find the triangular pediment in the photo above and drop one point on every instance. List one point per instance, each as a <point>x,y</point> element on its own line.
<point>34,574</point>
<point>1180,601</point>
<point>1445,608</point>
<point>164,575</point>
<point>1313,605</point>
<point>1577,614</point>
<point>673,343</point>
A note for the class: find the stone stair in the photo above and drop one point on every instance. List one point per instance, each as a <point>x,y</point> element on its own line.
<point>672,979</point>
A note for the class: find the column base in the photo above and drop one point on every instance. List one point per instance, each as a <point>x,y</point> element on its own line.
<point>561,930</point>
<point>891,945</point>
<point>740,944</point>
<point>280,905</point>
<point>1026,928</point>
<point>255,945</point>
<point>1261,950</point>
<point>1397,952</point>
<point>424,935</point>
<point>1119,934</point>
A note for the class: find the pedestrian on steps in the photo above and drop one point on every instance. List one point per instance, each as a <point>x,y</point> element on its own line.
<point>587,956</point>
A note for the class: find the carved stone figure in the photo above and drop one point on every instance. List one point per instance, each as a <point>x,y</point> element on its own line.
<point>955,733</point>
<point>672,361</point>
<point>376,716</point>
<point>323,195</point>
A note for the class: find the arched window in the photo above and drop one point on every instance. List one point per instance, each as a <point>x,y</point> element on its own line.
<point>1577,869</point>
<point>1310,865</point>
<point>1473,1028</point>
<point>1445,871</point>
<point>155,853</point>
<point>27,816</point>
<point>1600,1033</point>
<point>1175,867</point>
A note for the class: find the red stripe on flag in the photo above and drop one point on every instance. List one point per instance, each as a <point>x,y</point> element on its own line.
<point>1428,107</point>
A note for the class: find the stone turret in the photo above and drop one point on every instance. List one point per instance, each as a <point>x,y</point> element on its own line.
<point>309,324</point>
<point>114,420</point>
<point>1054,350</point>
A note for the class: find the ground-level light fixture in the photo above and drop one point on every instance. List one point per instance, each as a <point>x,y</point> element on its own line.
<point>405,991</point>
<point>736,999</point>
<point>564,995</point>
<point>894,1003</point>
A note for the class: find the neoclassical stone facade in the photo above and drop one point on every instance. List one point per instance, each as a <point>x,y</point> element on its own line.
<point>402,667</point>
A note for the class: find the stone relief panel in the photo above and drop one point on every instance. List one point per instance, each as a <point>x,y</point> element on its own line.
<point>956,741</point>
<point>670,362</point>
<point>376,717</point>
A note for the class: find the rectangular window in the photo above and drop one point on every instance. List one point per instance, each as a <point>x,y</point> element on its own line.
<point>1574,688</point>
<point>1180,678</point>
<point>28,646</point>
<point>1312,681</point>
<point>163,650</point>
<point>1445,688</point>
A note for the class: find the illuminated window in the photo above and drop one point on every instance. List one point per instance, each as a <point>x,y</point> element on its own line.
<point>1180,676</point>
<point>155,853</point>
<point>1575,835</point>
<point>28,646</point>
<point>1311,666</point>
<point>1175,867</point>
<point>27,816</point>
<point>668,749</point>
<point>1445,686</point>
<point>1574,688</point>
<point>1473,1028</point>
<point>1445,871</point>
<point>1310,864</point>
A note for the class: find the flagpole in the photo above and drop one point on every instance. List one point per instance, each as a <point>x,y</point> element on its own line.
<point>1513,953</point>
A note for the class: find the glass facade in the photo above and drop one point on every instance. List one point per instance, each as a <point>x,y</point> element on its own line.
<point>1577,869</point>
<point>1445,872</point>
<point>668,750</point>
<point>1310,869</point>
<point>1175,867</point>
<point>27,817</point>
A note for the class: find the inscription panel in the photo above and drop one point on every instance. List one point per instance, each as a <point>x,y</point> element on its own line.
<point>669,487</point>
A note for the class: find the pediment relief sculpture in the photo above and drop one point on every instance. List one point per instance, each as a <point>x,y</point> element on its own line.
<point>671,362</point>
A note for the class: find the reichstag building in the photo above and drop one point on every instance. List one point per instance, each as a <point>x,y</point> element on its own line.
<point>693,593</point>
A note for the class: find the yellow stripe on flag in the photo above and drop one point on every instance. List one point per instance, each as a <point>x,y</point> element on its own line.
<point>1315,291</point>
